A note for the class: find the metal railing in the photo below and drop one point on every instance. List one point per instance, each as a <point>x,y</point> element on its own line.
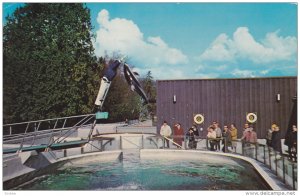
<point>278,163</point>
<point>19,129</point>
<point>284,168</point>
<point>29,138</point>
<point>281,164</point>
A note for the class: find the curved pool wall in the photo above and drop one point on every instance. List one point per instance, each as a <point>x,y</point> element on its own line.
<point>29,165</point>
<point>133,173</point>
<point>210,157</point>
<point>145,154</point>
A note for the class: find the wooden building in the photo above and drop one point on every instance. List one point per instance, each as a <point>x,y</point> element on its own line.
<point>272,100</point>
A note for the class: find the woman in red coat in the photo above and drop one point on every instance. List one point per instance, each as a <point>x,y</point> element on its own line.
<point>178,134</point>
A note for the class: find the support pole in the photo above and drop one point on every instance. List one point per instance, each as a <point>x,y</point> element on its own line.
<point>120,142</point>
<point>293,175</point>
<point>283,169</point>
<point>276,164</point>
<point>264,154</point>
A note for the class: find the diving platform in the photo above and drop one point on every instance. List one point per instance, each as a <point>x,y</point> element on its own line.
<point>43,147</point>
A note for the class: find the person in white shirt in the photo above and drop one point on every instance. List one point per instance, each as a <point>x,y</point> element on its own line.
<point>165,131</point>
<point>211,136</point>
<point>219,135</point>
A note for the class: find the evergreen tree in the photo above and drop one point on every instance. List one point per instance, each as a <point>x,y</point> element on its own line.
<point>50,69</point>
<point>121,102</point>
<point>150,90</point>
<point>48,58</point>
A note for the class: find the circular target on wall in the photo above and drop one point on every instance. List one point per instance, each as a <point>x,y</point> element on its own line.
<point>198,119</point>
<point>251,117</point>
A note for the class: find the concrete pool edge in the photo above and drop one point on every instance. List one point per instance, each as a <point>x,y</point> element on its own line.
<point>144,154</point>
<point>14,179</point>
<point>173,154</point>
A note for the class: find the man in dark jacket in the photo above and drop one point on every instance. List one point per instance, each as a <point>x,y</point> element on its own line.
<point>226,139</point>
<point>276,140</point>
<point>191,137</point>
<point>291,142</point>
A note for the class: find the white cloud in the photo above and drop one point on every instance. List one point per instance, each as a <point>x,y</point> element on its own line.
<point>243,46</point>
<point>207,75</point>
<point>123,36</point>
<point>243,73</point>
<point>264,72</point>
<point>220,50</point>
<point>221,68</point>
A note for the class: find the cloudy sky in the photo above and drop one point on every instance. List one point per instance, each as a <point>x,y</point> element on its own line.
<point>198,40</point>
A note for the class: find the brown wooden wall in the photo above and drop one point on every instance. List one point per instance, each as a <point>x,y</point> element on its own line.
<point>227,101</point>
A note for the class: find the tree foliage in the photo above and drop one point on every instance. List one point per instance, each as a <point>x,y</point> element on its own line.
<point>149,87</point>
<point>50,70</point>
<point>121,102</point>
<point>47,53</point>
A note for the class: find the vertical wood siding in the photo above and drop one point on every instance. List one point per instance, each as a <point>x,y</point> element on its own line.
<point>228,101</point>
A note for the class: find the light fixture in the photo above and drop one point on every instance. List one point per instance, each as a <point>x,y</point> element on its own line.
<point>278,97</point>
<point>174,99</point>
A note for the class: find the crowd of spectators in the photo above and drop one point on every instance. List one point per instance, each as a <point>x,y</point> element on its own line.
<point>228,137</point>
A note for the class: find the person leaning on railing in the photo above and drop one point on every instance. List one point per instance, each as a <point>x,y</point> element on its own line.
<point>191,138</point>
<point>226,138</point>
<point>269,135</point>
<point>219,135</point>
<point>291,142</point>
<point>249,135</point>
<point>178,134</point>
<point>276,140</point>
<point>166,132</point>
<point>211,136</point>
<point>249,138</point>
<point>233,131</point>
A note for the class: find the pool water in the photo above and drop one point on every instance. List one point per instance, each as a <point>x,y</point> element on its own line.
<point>151,175</point>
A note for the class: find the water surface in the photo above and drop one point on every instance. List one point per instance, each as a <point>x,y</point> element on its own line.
<point>151,175</point>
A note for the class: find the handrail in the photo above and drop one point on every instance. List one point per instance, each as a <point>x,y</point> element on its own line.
<point>38,132</point>
<point>130,142</point>
<point>75,126</point>
<point>27,124</point>
<point>282,167</point>
<point>30,134</point>
<point>50,119</point>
